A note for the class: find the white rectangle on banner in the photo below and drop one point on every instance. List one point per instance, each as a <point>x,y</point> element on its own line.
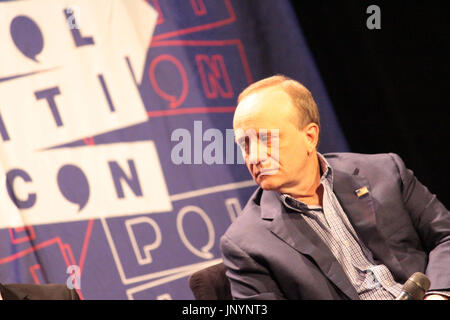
<point>73,184</point>
<point>80,107</point>
<point>64,79</point>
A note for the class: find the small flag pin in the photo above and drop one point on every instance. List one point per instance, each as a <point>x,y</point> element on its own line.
<point>362,191</point>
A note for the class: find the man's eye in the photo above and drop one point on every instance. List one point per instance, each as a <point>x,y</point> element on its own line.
<point>247,145</point>
<point>265,137</point>
<point>244,144</point>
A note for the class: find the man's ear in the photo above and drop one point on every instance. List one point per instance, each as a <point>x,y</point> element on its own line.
<point>311,131</point>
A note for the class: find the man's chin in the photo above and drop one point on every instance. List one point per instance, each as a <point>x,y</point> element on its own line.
<point>266,182</point>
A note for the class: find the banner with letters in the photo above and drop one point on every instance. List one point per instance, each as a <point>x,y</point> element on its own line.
<point>118,167</point>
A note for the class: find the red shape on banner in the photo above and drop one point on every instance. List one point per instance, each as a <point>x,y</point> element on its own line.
<point>30,235</point>
<point>87,238</point>
<point>44,244</point>
<point>211,79</point>
<point>174,101</point>
<point>33,272</point>
<point>164,113</point>
<point>65,249</point>
<point>199,7</point>
<point>210,75</point>
<point>158,9</point>
<point>89,141</point>
<point>212,43</point>
<point>203,27</point>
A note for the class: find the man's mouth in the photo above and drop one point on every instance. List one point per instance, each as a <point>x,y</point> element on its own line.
<point>265,172</point>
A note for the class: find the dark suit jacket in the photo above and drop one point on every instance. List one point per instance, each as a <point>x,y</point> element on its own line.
<point>37,292</point>
<point>272,253</point>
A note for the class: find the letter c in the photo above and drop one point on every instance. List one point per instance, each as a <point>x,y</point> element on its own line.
<point>20,203</point>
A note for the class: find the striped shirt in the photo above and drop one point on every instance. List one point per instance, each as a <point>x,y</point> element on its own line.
<point>371,281</point>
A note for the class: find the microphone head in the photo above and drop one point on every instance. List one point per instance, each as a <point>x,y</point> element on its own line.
<point>416,286</point>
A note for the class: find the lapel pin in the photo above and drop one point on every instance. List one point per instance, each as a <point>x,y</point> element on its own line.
<point>362,191</point>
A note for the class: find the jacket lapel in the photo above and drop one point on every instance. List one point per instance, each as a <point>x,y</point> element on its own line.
<point>362,216</point>
<point>291,228</point>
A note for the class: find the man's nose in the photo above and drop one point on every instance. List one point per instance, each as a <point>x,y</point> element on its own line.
<point>257,153</point>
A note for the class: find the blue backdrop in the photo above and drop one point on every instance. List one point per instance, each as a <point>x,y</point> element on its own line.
<point>201,55</point>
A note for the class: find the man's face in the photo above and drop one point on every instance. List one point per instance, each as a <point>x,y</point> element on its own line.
<point>263,122</point>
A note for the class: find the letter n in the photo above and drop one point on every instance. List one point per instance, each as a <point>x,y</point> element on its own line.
<point>214,76</point>
<point>118,174</point>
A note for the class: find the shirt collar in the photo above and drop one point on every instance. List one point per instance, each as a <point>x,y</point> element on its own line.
<point>326,169</point>
<point>327,177</point>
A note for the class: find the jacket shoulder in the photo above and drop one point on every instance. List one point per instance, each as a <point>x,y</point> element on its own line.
<point>369,163</point>
<point>249,222</point>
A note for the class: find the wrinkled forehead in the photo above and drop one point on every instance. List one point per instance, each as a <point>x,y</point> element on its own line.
<point>254,119</point>
<point>270,109</point>
<point>247,109</point>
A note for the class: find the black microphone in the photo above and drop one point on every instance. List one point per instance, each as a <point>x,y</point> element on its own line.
<point>415,287</point>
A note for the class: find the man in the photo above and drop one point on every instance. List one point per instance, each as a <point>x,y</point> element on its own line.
<point>37,292</point>
<point>333,226</point>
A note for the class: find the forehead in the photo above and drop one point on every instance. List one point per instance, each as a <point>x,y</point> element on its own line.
<point>268,108</point>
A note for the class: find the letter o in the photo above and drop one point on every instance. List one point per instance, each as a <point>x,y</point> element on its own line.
<point>174,101</point>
